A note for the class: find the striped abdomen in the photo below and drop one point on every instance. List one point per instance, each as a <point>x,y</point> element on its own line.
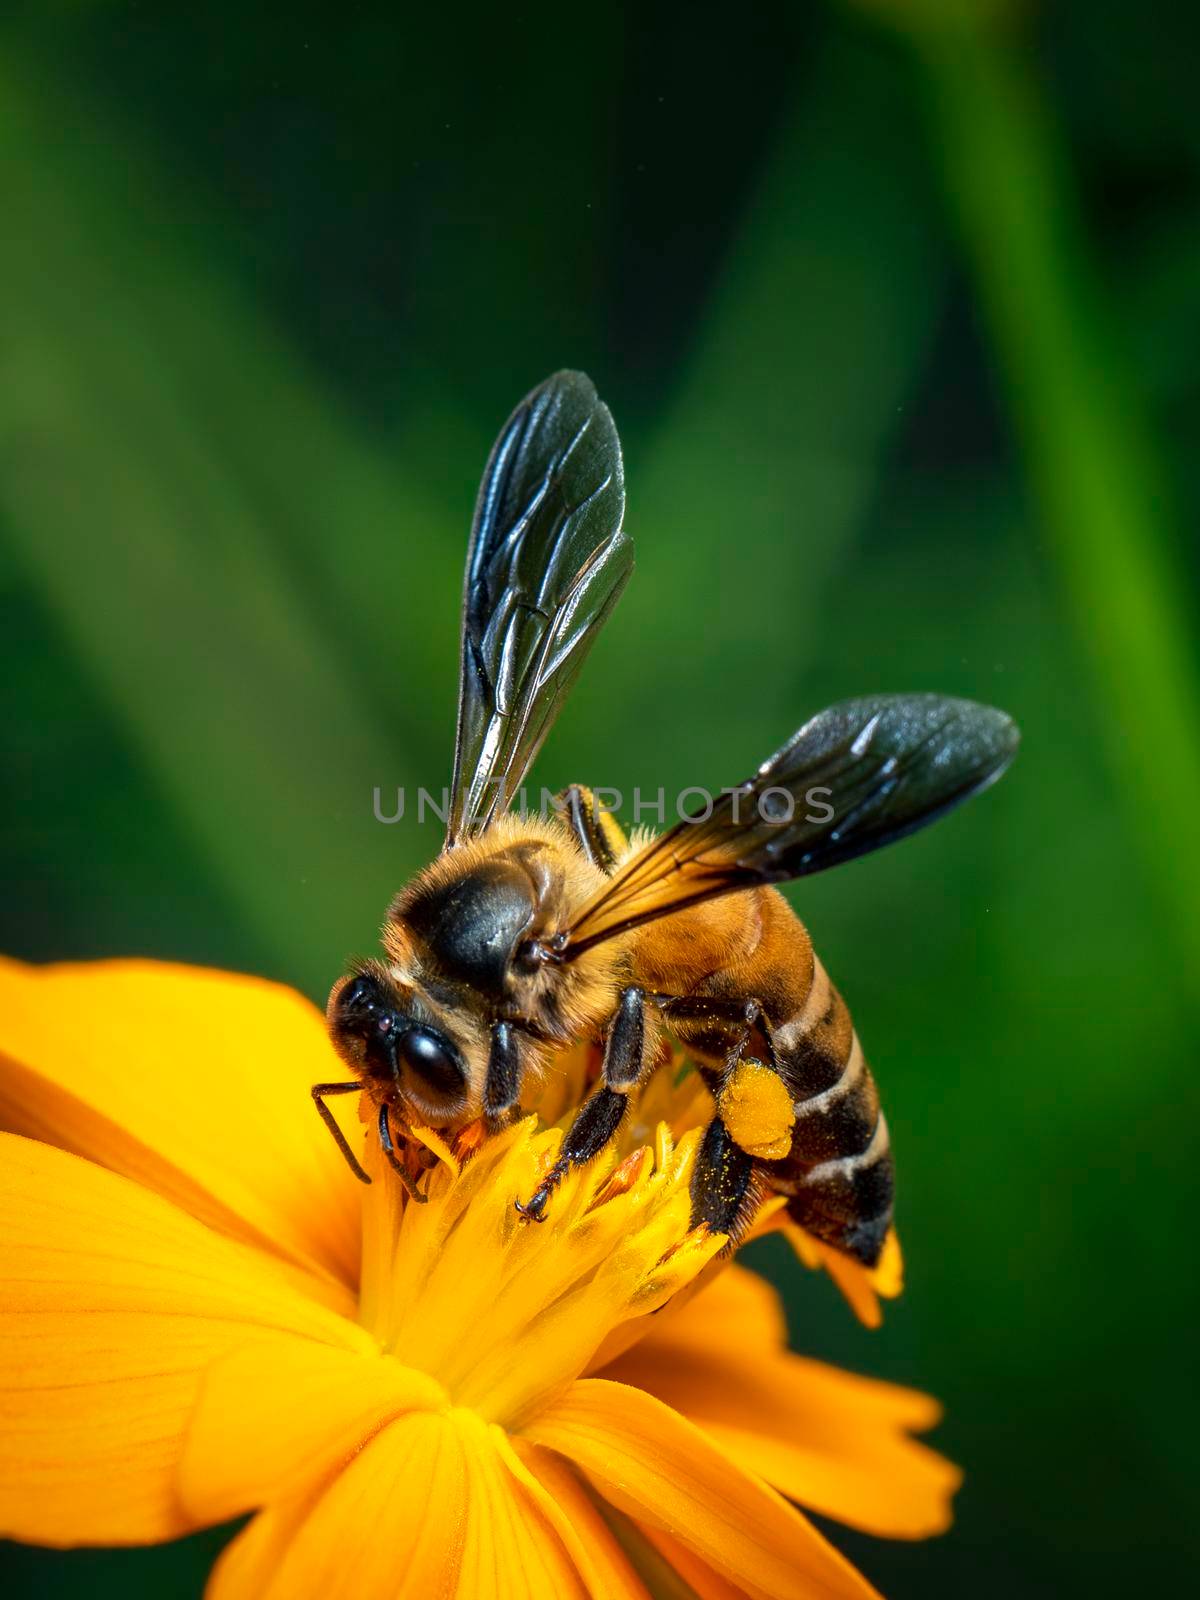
<point>839,1171</point>
<point>751,950</point>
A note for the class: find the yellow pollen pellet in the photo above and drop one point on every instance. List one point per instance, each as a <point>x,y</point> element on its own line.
<point>757,1109</point>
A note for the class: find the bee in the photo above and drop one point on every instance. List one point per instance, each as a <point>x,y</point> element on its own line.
<point>529,933</point>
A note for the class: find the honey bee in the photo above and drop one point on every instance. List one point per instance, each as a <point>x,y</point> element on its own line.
<point>528,933</point>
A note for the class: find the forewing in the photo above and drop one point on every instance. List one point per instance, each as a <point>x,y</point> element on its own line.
<point>546,563</point>
<point>852,779</point>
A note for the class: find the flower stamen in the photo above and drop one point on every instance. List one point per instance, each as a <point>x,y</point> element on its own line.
<point>504,1315</point>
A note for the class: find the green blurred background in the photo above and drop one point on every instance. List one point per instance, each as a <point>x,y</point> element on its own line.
<point>898,310</point>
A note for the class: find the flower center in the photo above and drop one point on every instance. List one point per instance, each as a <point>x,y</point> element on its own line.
<point>505,1312</point>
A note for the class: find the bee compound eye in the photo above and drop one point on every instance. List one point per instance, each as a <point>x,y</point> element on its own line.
<point>433,1061</point>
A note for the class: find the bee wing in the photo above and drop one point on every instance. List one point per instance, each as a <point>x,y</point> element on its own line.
<point>546,564</point>
<point>853,778</point>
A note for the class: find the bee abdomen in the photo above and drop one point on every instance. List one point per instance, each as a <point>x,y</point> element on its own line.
<point>839,1170</point>
<point>840,1120</point>
<point>847,1202</point>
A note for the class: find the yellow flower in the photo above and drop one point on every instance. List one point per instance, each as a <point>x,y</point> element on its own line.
<point>203,1315</point>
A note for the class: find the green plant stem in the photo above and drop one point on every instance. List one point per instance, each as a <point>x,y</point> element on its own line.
<point>1105,506</point>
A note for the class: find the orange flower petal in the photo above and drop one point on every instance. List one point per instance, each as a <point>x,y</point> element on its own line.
<point>836,1442</point>
<point>863,1287</point>
<point>697,1577</point>
<point>659,1561</point>
<point>662,1470</point>
<point>427,1508</point>
<point>195,1083</point>
<point>568,1506</point>
<point>112,1304</point>
<point>512,1549</point>
<point>248,1563</point>
<point>251,1443</point>
<point>392,1523</point>
<point>736,1308</point>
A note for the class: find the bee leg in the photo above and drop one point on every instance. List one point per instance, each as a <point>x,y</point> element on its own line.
<point>726,1181</point>
<point>596,831</point>
<point>597,1123</point>
<point>319,1091</point>
<point>735,1019</point>
<point>502,1086</point>
<point>753,1016</point>
<point>724,1191</point>
<point>389,1150</point>
<point>627,1061</point>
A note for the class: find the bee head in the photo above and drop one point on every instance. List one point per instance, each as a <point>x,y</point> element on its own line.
<point>381,1039</point>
